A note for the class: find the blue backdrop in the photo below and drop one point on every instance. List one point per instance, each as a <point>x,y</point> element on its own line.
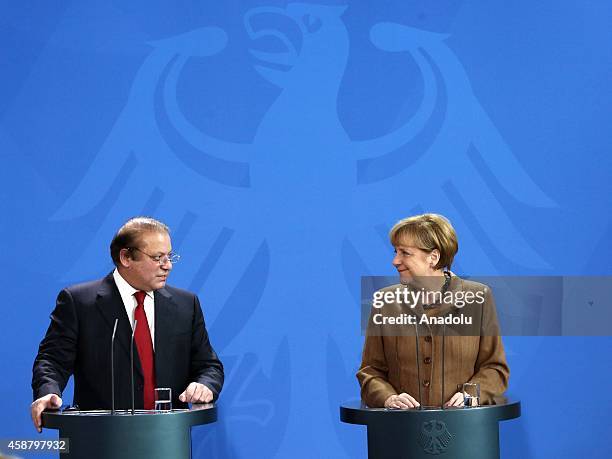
<point>280,141</point>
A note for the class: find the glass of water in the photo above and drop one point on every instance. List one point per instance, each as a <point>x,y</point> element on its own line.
<point>471,394</point>
<point>163,399</point>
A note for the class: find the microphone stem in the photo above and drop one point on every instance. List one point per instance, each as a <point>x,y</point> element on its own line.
<point>416,329</point>
<point>132,362</point>
<point>113,368</point>
<point>443,354</point>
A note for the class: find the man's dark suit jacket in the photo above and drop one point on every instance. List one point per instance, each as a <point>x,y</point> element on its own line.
<point>78,342</point>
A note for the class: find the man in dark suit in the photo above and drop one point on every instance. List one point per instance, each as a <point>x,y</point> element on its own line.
<point>171,343</point>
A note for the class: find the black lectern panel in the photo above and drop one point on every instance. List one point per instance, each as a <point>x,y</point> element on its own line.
<point>146,434</point>
<point>458,433</point>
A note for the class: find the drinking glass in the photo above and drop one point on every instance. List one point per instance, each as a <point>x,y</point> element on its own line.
<point>163,399</point>
<point>471,394</point>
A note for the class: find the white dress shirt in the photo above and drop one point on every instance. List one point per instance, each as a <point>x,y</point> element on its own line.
<point>129,301</point>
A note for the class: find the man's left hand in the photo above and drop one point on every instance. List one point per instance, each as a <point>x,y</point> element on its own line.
<point>196,393</point>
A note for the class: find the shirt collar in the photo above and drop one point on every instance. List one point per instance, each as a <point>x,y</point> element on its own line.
<point>124,287</point>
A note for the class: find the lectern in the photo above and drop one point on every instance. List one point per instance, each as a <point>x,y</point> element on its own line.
<point>457,433</point>
<point>144,434</point>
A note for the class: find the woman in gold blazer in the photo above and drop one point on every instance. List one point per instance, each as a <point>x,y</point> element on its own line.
<point>425,246</point>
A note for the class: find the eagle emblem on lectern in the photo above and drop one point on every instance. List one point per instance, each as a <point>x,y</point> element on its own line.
<point>434,437</point>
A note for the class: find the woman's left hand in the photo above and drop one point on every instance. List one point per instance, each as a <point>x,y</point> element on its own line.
<point>455,400</point>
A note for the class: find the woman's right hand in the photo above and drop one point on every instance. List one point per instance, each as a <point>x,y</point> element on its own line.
<point>402,401</point>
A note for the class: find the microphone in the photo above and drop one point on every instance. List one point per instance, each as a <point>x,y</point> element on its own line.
<point>132,361</point>
<point>443,345</point>
<point>113,367</point>
<point>447,279</point>
<point>416,333</point>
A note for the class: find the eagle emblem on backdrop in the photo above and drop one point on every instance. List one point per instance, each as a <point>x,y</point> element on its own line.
<point>249,215</point>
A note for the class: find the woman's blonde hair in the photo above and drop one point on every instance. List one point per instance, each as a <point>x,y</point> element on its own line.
<point>428,232</point>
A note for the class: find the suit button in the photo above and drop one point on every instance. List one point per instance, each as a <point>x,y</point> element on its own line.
<point>426,383</point>
<point>427,360</point>
<point>428,339</point>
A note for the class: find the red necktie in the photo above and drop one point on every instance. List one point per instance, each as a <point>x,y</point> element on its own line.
<point>145,350</point>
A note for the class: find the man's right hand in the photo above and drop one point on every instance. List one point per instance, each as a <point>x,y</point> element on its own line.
<point>402,401</point>
<point>52,401</point>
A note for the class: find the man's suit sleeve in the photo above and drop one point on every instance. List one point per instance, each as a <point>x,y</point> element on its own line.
<point>206,368</point>
<point>54,362</point>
